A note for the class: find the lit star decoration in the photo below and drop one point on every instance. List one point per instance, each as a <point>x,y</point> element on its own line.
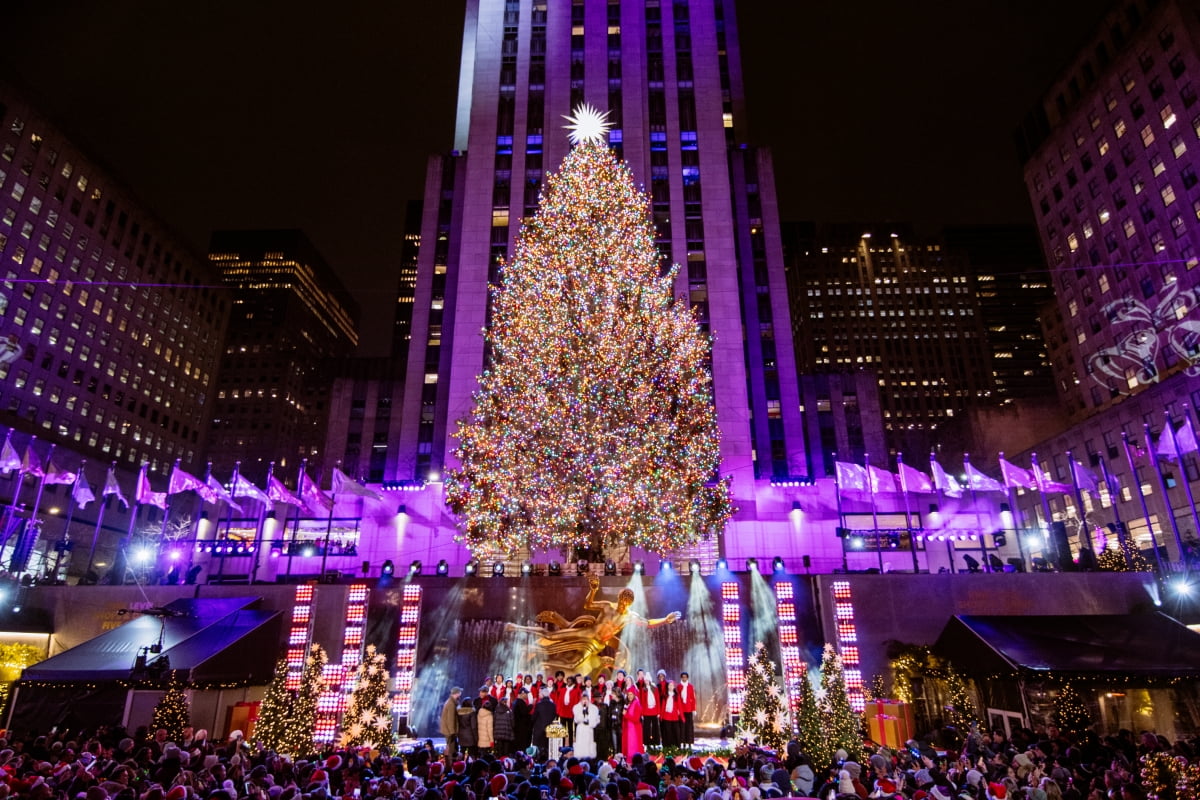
<point>594,423</point>
<point>588,124</point>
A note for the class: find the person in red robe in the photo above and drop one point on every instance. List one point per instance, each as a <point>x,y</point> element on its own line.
<point>687,701</point>
<point>631,740</point>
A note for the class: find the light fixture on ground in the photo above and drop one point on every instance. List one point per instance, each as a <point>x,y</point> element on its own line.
<point>526,567</point>
<point>664,566</point>
<point>498,568</point>
<point>639,567</point>
<point>752,565</point>
<point>722,564</point>
<point>387,569</point>
<point>694,567</point>
<point>555,568</point>
<point>414,568</point>
<point>582,566</point>
<point>443,568</point>
<point>471,568</point>
<point>777,564</point>
<point>610,567</point>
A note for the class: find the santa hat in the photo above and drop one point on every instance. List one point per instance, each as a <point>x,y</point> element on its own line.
<point>886,786</point>
<point>695,764</point>
<point>565,783</point>
<point>997,790</point>
<point>435,770</point>
<point>318,776</point>
<point>177,793</point>
<point>575,769</point>
<point>499,785</point>
<point>645,790</point>
<point>334,763</point>
<point>448,788</point>
<point>507,763</point>
<point>458,767</point>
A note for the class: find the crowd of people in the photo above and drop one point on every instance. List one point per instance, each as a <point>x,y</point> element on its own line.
<point>596,718</point>
<point>111,764</point>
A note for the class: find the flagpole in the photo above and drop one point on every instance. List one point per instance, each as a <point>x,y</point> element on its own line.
<point>837,499</point>
<point>12,508</point>
<point>940,495</point>
<point>1162,483</point>
<point>296,524</point>
<point>874,512</point>
<point>912,543</point>
<point>1162,570</point>
<point>18,477</point>
<point>1078,501</point>
<point>1114,497</point>
<point>329,522</point>
<point>978,516</point>
<point>123,552</point>
<point>99,522</point>
<point>66,537</point>
<point>1183,476</point>
<point>258,531</point>
<point>1041,478</point>
<point>1017,516</point>
<point>37,502</point>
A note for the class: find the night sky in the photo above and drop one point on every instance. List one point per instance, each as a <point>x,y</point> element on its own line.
<point>262,113</point>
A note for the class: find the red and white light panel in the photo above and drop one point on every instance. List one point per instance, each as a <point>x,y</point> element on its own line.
<point>735,655</point>
<point>352,641</point>
<point>298,636</point>
<point>795,669</point>
<point>847,640</point>
<point>406,649</point>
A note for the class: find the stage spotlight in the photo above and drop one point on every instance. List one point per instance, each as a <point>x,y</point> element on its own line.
<point>752,565</point>
<point>472,567</point>
<point>722,565</point>
<point>664,566</point>
<point>610,567</point>
<point>639,567</point>
<point>777,564</point>
<point>498,568</point>
<point>971,562</point>
<point>796,506</point>
<point>443,568</point>
<point>414,568</point>
<point>403,509</point>
<point>526,567</point>
<point>893,540</point>
<point>581,567</point>
<point>858,543</point>
<point>388,568</point>
<point>694,567</point>
<point>308,551</point>
<point>555,568</point>
<point>1181,587</point>
<point>999,539</point>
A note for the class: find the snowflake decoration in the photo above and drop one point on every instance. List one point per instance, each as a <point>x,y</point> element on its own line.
<point>355,730</point>
<point>773,690</point>
<point>760,717</point>
<point>367,716</point>
<point>588,124</point>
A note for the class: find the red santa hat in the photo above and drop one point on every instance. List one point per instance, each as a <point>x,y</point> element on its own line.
<point>499,785</point>
<point>886,786</point>
<point>575,769</point>
<point>177,793</point>
<point>458,767</point>
<point>997,790</point>
<point>448,788</point>
<point>318,776</point>
<point>645,790</point>
<point>333,763</point>
<point>435,770</point>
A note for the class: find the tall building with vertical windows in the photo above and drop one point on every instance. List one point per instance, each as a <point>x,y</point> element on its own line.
<point>410,250</point>
<point>669,74</point>
<point>110,326</point>
<point>292,321</point>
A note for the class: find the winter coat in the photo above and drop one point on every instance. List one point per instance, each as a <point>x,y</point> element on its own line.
<point>502,723</point>
<point>466,725</point>
<point>485,737</point>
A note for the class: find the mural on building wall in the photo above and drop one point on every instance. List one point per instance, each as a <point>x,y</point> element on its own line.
<point>1134,359</point>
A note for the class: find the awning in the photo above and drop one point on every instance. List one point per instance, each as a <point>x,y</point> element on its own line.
<point>1151,646</point>
<point>209,640</point>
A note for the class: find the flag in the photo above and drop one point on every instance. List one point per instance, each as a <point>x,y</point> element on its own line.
<point>186,482</point>
<point>1084,478</point>
<point>1172,441</point>
<point>945,483</point>
<point>1015,477</point>
<point>881,480</point>
<point>221,494</point>
<point>145,495</point>
<point>111,487</point>
<point>55,474</point>
<point>30,463</point>
<point>344,484</point>
<point>9,460</point>
<point>1047,486</point>
<point>244,488</point>
<point>980,482</point>
<point>279,493</point>
<point>81,492</point>
<point>313,497</point>
<point>913,480</point>
<point>849,476</point>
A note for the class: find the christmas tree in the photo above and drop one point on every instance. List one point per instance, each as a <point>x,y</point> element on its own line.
<point>961,702</point>
<point>1070,714</point>
<point>273,712</point>
<point>1124,558</point>
<point>594,423</point>
<point>810,733</point>
<point>297,738</point>
<point>841,723</point>
<point>368,721</point>
<point>172,712</point>
<point>764,717</point>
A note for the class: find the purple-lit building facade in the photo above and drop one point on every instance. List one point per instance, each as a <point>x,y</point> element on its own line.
<point>669,74</point>
<point>1112,166</point>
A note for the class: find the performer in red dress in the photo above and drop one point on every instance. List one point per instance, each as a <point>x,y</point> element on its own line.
<point>687,702</point>
<point>631,741</point>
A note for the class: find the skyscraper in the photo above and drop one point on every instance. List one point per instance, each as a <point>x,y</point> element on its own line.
<point>668,73</point>
<point>291,319</point>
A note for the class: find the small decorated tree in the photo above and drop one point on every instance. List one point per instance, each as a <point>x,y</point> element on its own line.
<point>961,703</point>
<point>172,712</point>
<point>368,722</point>
<point>810,732</point>
<point>274,711</point>
<point>1070,714</point>
<point>764,718</point>
<point>841,723</point>
<point>297,738</point>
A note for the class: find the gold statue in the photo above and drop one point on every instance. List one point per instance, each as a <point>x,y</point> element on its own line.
<point>577,646</point>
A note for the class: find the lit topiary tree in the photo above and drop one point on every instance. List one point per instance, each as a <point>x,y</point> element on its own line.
<point>764,717</point>
<point>841,723</point>
<point>368,721</point>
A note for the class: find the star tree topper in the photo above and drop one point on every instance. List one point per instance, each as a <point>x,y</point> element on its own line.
<point>588,124</point>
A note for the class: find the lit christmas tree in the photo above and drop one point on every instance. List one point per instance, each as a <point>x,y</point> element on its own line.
<point>594,423</point>
<point>961,702</point>
<point>273,712</point>
<point>1070,714</point>
<point>297,737</point>
<point>368,721</point>
<point>172,712</point>
<point>811,734</point>
<point>764,717</point>
<point>1123,558</point>
<point>841,723</point>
